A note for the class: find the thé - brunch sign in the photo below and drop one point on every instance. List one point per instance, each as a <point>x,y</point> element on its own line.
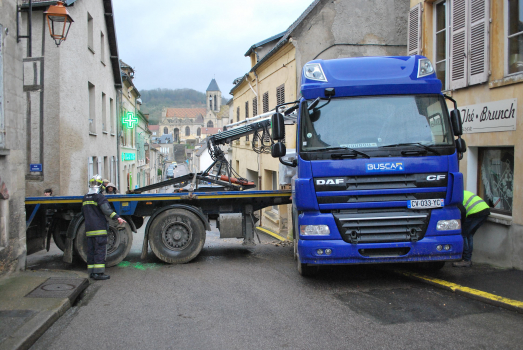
<point>490,116</point>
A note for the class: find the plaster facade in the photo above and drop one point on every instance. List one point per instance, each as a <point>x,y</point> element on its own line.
<point>12,144</point>
<point>499,242</point>
<point>71,99</point>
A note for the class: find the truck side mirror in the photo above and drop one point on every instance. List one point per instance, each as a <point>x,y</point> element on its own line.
<point>278,150</point>
<point>278,126</point>
<point>461,145</point>
<point>455,119</point>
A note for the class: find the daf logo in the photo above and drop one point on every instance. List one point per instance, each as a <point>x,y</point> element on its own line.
<point>330,182</point>
<point>435,177</point>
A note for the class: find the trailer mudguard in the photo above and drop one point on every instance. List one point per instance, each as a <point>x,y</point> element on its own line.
<point>192,209</point>
<point>71,234</point>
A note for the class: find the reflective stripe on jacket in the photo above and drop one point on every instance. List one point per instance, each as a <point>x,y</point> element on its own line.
<point>95,208</point>
<point>473,204</point>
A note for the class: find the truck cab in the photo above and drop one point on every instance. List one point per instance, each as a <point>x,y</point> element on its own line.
<point>377,160</point>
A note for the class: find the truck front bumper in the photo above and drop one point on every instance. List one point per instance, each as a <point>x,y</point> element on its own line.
<point>313,251</point>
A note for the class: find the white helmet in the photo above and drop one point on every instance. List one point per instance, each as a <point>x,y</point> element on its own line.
<point>96,184</point>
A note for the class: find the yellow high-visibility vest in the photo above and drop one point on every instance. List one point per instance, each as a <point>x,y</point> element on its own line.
<point>473,204</point>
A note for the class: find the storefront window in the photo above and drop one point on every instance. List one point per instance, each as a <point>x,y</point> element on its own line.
<point>496,178</point>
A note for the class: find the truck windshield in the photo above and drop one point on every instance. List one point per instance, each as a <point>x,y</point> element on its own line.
<point>377,121</point>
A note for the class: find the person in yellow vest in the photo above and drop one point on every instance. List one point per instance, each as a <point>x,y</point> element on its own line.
<point>474,212</point>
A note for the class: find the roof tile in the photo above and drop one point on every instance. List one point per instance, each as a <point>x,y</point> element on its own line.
<point>185,112</point>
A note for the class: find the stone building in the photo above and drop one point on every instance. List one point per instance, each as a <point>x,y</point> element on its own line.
<point>187,123</point>
<point>325,30</point>
<point>71,99</point>
<point>477,48</point>
<point>13,167</point>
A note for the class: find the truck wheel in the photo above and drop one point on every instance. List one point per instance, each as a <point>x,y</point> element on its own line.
<point>306,270</point>
<point>119,242</point>
<point>431,265</point>
<point>176,236</point>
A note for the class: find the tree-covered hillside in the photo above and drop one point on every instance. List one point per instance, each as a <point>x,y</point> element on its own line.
<point>155,100</point>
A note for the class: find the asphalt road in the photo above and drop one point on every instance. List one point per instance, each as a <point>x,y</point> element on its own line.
<point>236,297</point>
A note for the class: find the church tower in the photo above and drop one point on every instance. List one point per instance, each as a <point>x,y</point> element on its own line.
<point>214,97</point>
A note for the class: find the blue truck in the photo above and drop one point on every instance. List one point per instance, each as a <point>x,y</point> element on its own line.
<point>377,165</point>
<point>377,178</point>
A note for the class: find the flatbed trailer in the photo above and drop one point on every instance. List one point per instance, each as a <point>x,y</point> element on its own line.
<point>175,231</point>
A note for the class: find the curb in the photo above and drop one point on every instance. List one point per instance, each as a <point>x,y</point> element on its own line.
<point>492,299</point>
<point>270,233</point>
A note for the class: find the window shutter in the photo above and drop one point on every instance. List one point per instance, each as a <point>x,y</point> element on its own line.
<point>458,44</point>
<point>479,43</point>
<point>414,31</point>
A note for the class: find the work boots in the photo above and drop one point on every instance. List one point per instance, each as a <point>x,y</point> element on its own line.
<point>100,276</point>
<point>462,263</point>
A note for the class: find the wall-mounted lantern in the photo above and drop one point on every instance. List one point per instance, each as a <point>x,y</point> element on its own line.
<point>59,22</point>
<point>146,146</point>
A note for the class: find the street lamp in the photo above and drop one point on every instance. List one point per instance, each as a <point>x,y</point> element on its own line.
<point>146,146</point>
<point>59,22</point>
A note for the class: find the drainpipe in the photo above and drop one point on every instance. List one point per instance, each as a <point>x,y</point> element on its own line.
<point>118,134</point>
<point>258,109</point>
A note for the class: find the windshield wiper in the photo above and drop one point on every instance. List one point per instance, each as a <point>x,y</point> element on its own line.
<point>337,155</point>
<point>414,144</point>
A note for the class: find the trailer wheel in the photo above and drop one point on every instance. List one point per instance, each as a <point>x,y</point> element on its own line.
<point>119,242</point>
<point>176,236</point>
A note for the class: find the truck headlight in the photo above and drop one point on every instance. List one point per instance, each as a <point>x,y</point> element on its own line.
<point>314,230</point>
<point>425,67</point>
<point>447,225</point>
<point>314,71</point>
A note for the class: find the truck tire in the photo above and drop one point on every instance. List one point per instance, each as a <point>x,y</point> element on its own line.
<point>176,236</point>
<point>119,242</point>
<point>430,265</point>
<point>305,270</point>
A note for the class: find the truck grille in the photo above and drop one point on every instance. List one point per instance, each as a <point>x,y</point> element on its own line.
<point>380,197</point>
<point>372,226</point>
<point>380,182</point>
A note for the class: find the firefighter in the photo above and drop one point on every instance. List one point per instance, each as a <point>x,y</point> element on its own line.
<point>94,208</point>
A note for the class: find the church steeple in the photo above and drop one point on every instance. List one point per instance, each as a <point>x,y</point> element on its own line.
<point>214,96</point>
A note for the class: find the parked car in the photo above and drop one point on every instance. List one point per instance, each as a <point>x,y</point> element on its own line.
<point>169,173</point>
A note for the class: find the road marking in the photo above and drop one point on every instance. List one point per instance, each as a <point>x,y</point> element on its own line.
<point>475,293</point>
<point>271,233</point>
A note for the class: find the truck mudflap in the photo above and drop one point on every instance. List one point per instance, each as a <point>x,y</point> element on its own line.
<point>430,248</point>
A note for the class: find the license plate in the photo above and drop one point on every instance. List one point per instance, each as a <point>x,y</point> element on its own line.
<point>425,203</point>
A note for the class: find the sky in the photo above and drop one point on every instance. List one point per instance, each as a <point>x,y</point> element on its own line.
<point>186,43</point>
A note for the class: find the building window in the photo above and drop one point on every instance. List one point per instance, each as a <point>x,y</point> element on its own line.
<point>90,32</point>
<point>255,106</point>
<point>210,124</point>
<point>199,132</point>
<point>165,131</point>
<point>468,35</point>
<point>104,112</point>
<point>246,109</point>
<point>215,103</point>
<point>238,114</point>
<point>111,114</point>
<point>496,178</point>
<point>515,36</point>
<point>187,131</point>
<point>265,102</point>
<point>440,42</point>
<point>102,47</point>
<point>92,110</point>
<point>210,102</point>
<point>280,94</point>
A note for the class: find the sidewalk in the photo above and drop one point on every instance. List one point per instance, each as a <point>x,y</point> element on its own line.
<point>499,287</point>
<point>31,301</point>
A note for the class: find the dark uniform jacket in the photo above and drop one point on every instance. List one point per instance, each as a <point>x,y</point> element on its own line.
<point>95,207</point>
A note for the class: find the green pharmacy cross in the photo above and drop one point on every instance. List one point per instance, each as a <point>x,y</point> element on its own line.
<point>130,120</point>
